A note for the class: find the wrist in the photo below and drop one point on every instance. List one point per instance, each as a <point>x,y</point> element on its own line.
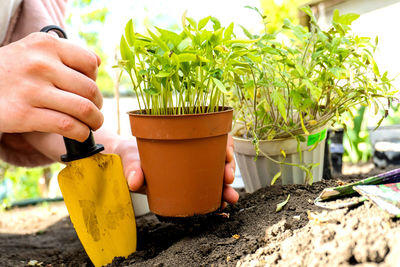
<point>125,146</point>
<point>108,139</point>
<point>114,143</point>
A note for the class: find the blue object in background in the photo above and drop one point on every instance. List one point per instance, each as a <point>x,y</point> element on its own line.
<point>5,188</point>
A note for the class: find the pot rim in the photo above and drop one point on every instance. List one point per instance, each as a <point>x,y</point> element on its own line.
<point>137,113</point>
<point>181,127</point>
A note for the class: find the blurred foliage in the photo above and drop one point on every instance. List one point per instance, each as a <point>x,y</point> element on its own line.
<point>394,115</point>
<point>98,15</point>
<point>82,3</point>
<point>90,17</point>
<point>18,183</point>
<point>356,144</point>
<point>276,13</point>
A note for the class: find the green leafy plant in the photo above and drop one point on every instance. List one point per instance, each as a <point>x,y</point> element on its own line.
<point>178,73</point>
<point>301,86</point>
<point>300,79</point>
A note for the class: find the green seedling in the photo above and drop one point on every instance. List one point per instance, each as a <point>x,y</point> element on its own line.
<point>300,79</point>
<point>180,73</point>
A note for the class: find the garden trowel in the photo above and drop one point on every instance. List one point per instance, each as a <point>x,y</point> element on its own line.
<point>97,197</point>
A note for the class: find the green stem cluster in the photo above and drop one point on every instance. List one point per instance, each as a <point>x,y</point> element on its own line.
<point>183,73</point>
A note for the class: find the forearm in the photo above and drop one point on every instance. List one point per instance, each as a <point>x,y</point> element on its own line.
<point>49,144</point>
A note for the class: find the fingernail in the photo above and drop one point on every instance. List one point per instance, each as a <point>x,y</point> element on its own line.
<point>233,172</point>
<point>131,177</point>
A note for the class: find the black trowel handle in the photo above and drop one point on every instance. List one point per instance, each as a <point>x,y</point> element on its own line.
<point>60,32</point>
<point>79,150</point>
<point>75,150</point>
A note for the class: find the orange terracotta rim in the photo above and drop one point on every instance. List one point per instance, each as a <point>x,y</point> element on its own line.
<point>141,113</point>
<point>179,127</point>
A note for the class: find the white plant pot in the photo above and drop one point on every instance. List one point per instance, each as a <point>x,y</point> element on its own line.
<point>259,173</point>
<point>140,205</point>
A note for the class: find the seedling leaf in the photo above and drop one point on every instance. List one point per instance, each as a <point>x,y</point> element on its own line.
<point>220,85</point>
<point>280,206</point>
<point>276,176</point>
<point>203,22</point>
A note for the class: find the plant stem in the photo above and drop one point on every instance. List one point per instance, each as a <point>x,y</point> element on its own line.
<point>255,98</point>
<point>135,89</point>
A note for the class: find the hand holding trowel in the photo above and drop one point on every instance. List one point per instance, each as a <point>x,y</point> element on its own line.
<point>97,197</point>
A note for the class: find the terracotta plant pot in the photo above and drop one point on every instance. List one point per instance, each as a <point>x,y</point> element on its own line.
<point>183,159</point>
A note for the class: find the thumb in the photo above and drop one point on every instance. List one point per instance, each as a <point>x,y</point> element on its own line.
<point>134,175</point>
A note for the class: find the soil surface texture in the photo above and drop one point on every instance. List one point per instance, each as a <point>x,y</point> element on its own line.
<point>250,233</point>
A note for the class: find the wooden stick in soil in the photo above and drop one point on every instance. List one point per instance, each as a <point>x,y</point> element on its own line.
<point>116,94</point>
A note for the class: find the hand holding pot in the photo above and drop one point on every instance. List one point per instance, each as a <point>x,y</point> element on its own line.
<point>127,149</point>
<point>47,84</point>
<point>229,194</point>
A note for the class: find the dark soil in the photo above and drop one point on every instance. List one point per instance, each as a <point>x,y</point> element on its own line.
<point>250,233</point>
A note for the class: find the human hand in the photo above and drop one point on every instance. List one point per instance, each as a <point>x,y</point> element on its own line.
<point>47,84</point>
<point>127,149</point>
<point>229,194</point>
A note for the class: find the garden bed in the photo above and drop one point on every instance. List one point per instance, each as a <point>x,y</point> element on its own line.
<point>249,233</point>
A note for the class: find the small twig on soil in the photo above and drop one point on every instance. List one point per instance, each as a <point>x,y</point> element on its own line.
<point>249,208</point>
<point>223,214</point>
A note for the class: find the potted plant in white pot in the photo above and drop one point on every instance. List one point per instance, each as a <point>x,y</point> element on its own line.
<point>182,125</point>
<point>286,94</point>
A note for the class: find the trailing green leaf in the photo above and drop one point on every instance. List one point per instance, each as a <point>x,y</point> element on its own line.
<point>275,178</point>
<point>280,206</point>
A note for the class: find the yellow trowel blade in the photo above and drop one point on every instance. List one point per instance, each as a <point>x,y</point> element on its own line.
<point>96,194</point>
